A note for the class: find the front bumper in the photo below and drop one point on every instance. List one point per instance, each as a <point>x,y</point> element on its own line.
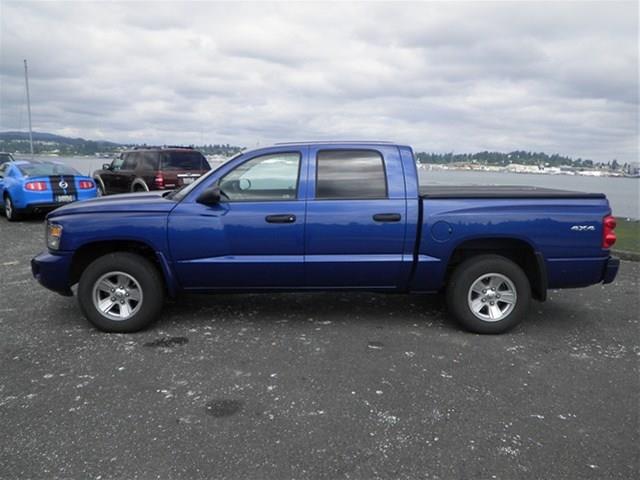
<point>53,271</point>
<point>610,269</point>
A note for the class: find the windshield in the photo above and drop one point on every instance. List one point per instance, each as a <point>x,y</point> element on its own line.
<point>45,169</point>
<point>178,160</point>
<point>183,191</point>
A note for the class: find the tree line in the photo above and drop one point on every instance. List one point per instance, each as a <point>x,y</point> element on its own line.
<point>78,146</point>
<point>518,156</point>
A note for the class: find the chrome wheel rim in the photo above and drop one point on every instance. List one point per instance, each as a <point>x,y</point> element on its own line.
<point>8,207</point>
<point>492,297</point>
<point>117,296</point>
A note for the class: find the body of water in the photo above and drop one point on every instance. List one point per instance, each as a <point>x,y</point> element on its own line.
<point>623,193</point>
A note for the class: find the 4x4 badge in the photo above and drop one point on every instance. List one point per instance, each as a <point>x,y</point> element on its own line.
<point>583,228</point>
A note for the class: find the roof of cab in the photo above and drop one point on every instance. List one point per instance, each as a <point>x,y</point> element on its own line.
<point>340,142</point>
<point>351,144</point>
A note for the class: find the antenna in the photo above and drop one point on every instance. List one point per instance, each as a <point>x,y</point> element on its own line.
<point>26,82</point>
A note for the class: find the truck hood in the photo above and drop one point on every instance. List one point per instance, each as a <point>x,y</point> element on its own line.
<point>152,202</point>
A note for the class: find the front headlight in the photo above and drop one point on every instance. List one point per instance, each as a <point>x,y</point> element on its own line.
<point>54,233</point>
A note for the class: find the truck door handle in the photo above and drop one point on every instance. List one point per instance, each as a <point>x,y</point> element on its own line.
<point>285,218</point>
<point>387,217</point>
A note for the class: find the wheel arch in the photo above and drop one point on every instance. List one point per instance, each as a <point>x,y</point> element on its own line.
<point>520,251</point>
<point>141,182</point>
<point>88,252</point>
<point>98,179</point>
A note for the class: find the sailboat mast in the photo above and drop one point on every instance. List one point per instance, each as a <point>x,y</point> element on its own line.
<point>26,82</point>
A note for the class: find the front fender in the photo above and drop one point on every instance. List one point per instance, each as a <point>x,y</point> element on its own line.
<point>79,230</point>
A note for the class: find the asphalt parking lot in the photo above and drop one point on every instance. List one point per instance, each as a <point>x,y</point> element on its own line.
<point>315,386</point>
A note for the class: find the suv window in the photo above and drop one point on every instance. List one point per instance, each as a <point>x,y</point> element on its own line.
<point>350,174</point>
<point>148,161</point>
<point>130,161</point>
<point>268,177</point>
<point>116,164</point>
<point>178,160</point>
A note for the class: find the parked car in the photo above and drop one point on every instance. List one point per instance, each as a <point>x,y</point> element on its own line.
<point>151,168</point>
<point>327,216</point>
<point>5,157</point>
<point>30,187</point>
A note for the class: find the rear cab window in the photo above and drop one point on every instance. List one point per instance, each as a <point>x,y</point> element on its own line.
<point>350,175</point>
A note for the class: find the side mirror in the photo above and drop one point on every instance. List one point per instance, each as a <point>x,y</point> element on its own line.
<point>211,196</point>
<point>106,166</point>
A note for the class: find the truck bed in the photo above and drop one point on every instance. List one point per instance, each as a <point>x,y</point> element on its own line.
<point>499,191</point>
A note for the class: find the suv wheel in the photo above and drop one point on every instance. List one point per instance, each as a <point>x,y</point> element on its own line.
<point>138,188</point>
<point>121,292</point>
<point>488,294</point>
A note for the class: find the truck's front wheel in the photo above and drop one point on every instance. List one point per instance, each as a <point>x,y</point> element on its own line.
<point>488,294</point>
<point>121,292</point>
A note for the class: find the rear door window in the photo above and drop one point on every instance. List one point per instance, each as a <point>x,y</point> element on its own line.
<point>130,161</point>
<point>181,161</point>
<point>350,174</point>
<point>148,161</point>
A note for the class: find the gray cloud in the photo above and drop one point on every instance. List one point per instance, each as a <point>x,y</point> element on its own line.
<point>557,77</point>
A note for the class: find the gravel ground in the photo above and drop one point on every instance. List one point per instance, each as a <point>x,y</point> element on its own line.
<point>315,386</point>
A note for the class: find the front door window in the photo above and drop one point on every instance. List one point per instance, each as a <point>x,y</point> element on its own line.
<point>267,178</point>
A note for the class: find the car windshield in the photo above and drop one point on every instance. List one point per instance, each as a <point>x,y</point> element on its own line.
<point>44,169</point>
<point>179,160</point>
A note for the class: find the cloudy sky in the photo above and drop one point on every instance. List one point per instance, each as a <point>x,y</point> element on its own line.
<point>462,77</point>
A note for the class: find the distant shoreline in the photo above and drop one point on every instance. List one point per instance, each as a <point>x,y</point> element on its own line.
<point>523,170</point>
<point>511,168</point>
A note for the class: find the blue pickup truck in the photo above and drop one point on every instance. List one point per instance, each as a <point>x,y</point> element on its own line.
<point>327,216</point>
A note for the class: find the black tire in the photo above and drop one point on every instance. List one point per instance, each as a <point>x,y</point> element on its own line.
<point>143,272</point>
<point>10,211</point>
<point>137,188</point>
<point>468,273</point>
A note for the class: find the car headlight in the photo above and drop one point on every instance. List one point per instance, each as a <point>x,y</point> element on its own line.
<point>54,233</point>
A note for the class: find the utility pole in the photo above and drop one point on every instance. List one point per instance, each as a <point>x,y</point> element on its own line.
<point>26,82</point>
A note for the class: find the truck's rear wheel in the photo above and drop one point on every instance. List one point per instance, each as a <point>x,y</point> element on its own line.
<point>488,294</point>
<point>121,292</point>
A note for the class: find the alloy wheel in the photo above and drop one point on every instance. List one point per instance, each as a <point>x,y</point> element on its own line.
<point>492,297</point>
<point>117,295</point>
